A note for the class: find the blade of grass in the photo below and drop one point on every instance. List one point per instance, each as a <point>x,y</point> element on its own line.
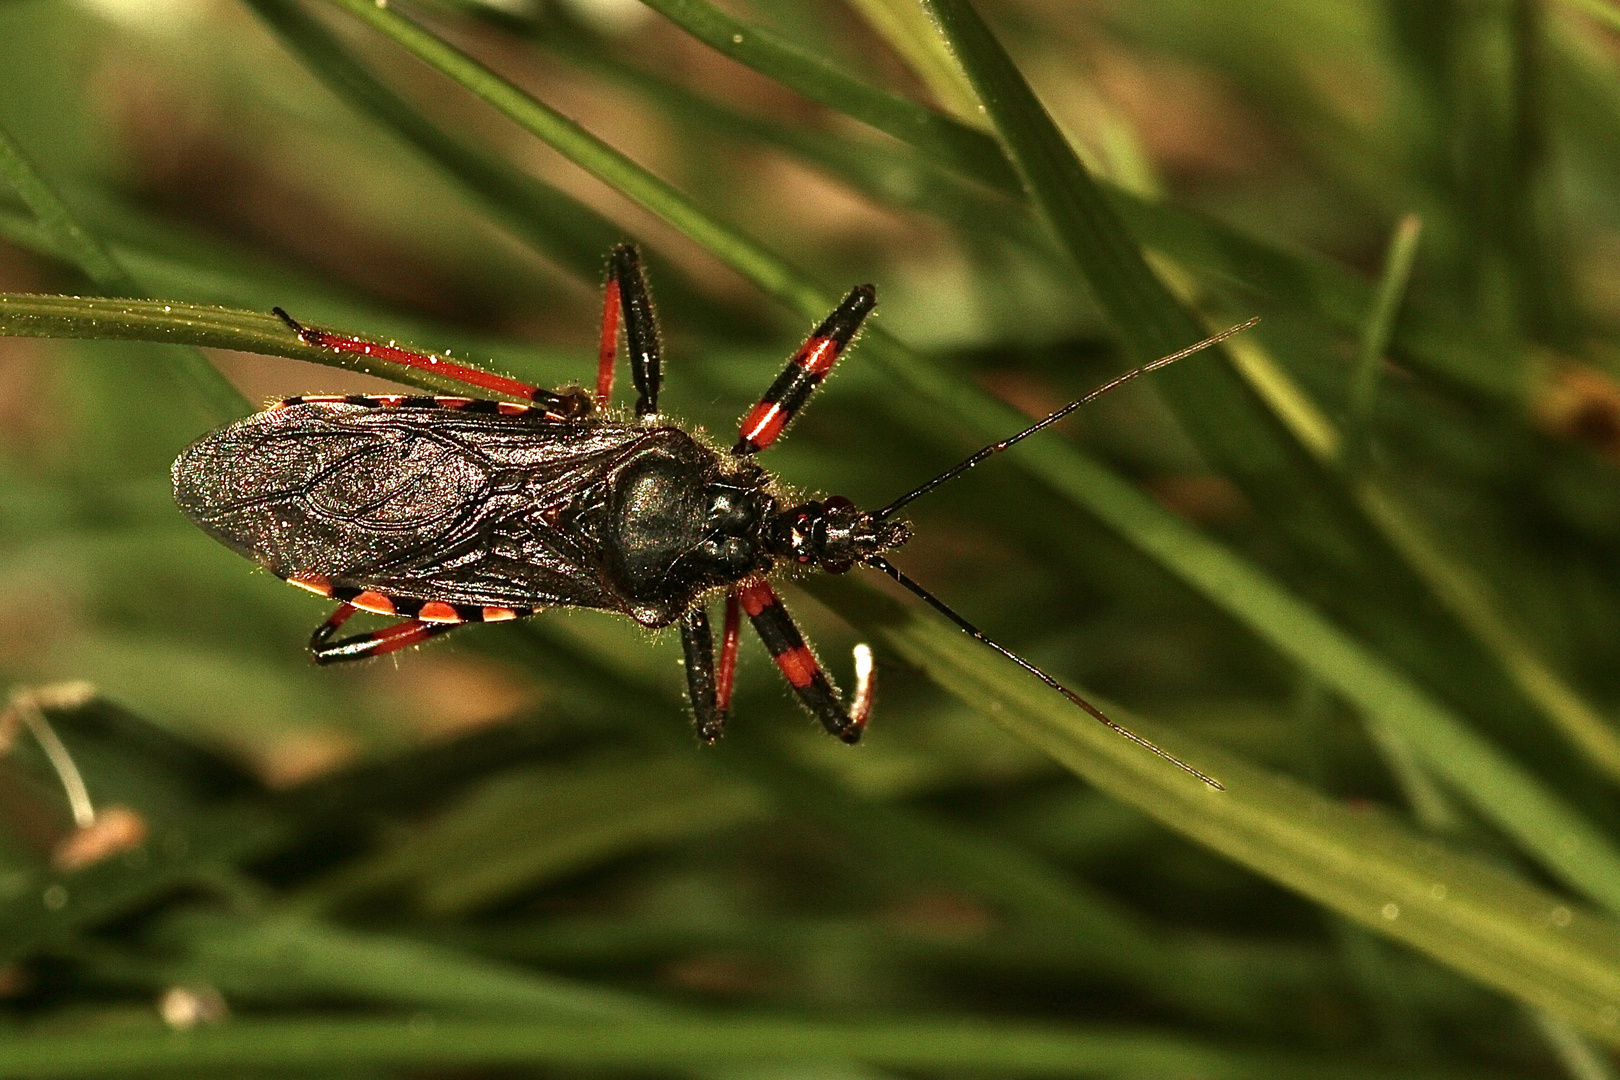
<point>1149,317</point>
<point>1468,598</point>
<point>29,315</point>
<point>97,264</point>
<point>956,1044</point>
<point>894,174</point>
<point>287,956</point>
<point>913,847</point>
<point>205,272</point>
<point>1489,98</point>
<point>1467,913</point>
<point>968,150</point>
<point>1375,336</point>
<point>558,225</point>
<point>554,223</point>
<point>906,28</point>
<point>1225,416</point>
<point>1580,1059</point>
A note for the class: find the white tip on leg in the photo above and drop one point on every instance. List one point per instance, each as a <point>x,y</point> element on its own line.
<point>865,671</point>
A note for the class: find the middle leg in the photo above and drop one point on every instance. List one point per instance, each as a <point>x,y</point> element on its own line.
<point>709,687</point>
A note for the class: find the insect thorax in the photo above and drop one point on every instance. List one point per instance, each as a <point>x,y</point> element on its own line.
<point>672,523</point>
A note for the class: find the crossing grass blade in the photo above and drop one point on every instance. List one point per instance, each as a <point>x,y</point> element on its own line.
<point>204,326</point>
<point>967,149</point>
<point>87,252</point>
<point>1469,913</point>
<point>1014,1049</point>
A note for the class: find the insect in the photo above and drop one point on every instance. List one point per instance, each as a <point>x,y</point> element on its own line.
<point>445,511</point>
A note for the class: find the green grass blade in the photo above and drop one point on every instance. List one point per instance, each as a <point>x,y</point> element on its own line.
<point>75,242</point>
<point>955,1044</point>
<point>291,957</point>
<point>1149,319</point>
<point>1377,330</point>
<point>101,319</point>
<point>968,150</point>
<point>881,169</point>
<point>1225,415</point>
<point>86,252</point>
<point>557,225</point>
<point>1268,460</point>
<point>908,31</point>
<point>1465,912</point>
<point>1482,614</point>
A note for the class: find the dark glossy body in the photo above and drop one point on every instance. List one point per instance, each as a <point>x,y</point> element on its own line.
<point>479,509</point>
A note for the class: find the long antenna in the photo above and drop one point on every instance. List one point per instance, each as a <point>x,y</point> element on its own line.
<point>996,448</point>
<point>880,563</point>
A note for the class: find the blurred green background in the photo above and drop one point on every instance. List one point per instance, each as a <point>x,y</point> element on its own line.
<point>1362,565</point>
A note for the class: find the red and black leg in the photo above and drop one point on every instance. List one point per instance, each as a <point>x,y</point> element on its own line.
<point>804,372</point>
<point>412,401</point>
<point>710,687</point>
<point>424,619</point>
<point>374,643</point>
<point>558,406</point>
<point>626,295</point>
<point>801,668</point>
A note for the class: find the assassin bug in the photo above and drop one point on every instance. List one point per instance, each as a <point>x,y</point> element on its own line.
<point>451,510</point>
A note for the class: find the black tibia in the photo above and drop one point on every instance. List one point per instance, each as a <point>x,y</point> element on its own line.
<point>697,641</point>
<point>847,317</point>
<point>640,328</point>
<point>373,643</point>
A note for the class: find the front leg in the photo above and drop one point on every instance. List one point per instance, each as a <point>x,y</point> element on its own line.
<point>801,668</point>
<point>804,373</point>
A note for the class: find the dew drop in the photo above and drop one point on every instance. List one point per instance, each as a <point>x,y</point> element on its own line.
<point>1390,911</point>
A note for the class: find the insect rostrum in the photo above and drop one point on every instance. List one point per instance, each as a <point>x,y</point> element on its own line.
<point>450,510</point>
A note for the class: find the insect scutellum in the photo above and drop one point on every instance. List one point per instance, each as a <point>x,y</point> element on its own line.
<point>446,510</point>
